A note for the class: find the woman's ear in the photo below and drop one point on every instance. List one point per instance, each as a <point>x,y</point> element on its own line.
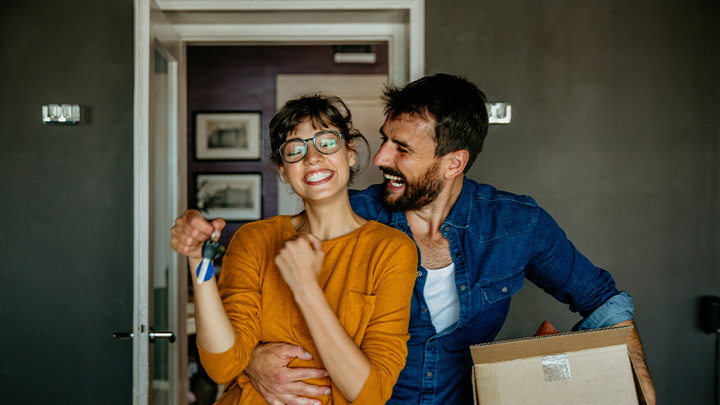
<point>281,170</point>
<point>351,151</point>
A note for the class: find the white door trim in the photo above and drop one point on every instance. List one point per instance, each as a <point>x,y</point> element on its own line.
<point>149,35</point>
<point>141,191</point>
<point>400,23</point>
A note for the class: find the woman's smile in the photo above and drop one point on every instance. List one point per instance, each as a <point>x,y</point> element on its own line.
<point>319,176</point>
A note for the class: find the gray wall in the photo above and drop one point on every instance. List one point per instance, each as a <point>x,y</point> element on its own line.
<point>615,132</point>
<point>66,202</point>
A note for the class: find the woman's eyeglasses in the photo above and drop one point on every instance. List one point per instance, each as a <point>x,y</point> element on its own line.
<point>326,142</point>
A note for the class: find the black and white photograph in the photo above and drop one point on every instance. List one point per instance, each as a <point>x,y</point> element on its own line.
<point>234,197</point>
<point>228,135</point>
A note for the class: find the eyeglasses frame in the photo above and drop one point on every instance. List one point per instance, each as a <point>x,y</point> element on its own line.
<point>279,150</point>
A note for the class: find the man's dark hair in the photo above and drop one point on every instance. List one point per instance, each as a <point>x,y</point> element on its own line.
<point>322,111</point>
<point>456,105</point>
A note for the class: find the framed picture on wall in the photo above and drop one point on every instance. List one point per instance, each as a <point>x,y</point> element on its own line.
<point>233,197</point>
<point>228,135</point>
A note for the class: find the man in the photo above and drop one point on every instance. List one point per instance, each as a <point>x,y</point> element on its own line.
<point>476,247</point>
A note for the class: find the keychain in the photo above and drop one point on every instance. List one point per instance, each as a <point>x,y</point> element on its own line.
<point>206,270</point>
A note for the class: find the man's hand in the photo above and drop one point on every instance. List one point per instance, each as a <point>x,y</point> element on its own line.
<point>280,384</point>
<point>638,357</point>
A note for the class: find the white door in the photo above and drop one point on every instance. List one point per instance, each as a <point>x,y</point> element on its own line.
<point>159,343</point>
<point>361,93</point>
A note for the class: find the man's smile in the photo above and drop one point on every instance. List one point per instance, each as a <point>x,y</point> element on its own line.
<point>394,181</point>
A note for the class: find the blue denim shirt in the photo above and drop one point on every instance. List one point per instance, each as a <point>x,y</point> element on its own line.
<point>497,240</point>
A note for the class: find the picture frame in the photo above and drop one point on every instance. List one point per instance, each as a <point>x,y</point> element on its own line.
<point>233,197</point>
<point>228,135</point>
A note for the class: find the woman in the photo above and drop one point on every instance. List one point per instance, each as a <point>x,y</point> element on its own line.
<point>325,279</point>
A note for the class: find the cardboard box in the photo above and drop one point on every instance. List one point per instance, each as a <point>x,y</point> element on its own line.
<point>588,367</point>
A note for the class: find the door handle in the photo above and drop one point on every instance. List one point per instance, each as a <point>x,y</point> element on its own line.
<point>152,335</point>
<point>123,335</point>
<point>161,334</point>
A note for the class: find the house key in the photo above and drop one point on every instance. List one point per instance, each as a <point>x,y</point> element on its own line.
<point>206,270</point>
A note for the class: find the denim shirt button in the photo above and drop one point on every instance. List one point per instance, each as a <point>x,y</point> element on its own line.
<point>419,273</point>
<point>504,289</point>
<point>446,228</point>
<point>429,373</point>
<point>462,287</point>
<point>457,255</point>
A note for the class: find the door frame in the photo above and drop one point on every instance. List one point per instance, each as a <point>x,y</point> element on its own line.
<point>400,23</point>
<point>153,32</point>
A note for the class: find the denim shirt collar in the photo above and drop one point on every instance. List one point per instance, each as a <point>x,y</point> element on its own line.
<point>459,216</point>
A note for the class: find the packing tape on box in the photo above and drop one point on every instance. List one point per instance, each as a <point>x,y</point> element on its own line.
<point>556,368</point>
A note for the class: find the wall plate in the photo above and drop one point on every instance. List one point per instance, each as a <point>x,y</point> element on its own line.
<point>498,113</point>
<point>61,114</point>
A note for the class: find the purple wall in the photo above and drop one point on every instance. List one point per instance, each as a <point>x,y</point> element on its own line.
<point>242,78</point>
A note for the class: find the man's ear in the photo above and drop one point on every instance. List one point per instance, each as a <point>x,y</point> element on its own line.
<point>456,163</point>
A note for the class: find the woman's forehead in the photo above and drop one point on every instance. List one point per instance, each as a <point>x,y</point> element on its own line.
<point>309,126</point>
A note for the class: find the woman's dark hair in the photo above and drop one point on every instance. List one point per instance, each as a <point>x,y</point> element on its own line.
<point>322,111</point>
<point>456,105</point>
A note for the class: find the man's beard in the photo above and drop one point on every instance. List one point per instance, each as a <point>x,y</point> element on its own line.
<point>418,194</point>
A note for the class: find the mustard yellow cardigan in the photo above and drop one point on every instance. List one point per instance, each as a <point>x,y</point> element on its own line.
<point>367,277</point>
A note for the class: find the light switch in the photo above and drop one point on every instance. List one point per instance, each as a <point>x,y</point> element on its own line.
<point>61,114</point>
<point>498,113</point>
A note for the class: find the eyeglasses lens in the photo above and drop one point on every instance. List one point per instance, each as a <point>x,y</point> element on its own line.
<point>294,151</point>
<point>327,143</point>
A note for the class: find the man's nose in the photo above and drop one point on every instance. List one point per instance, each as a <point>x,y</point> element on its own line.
<point>383,156</point>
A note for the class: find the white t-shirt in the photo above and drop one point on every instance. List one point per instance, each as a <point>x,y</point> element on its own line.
<point>441,297</point>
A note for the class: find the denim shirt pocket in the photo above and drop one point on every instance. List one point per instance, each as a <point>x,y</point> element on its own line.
<point>502,287</point>
<point>488,311</point>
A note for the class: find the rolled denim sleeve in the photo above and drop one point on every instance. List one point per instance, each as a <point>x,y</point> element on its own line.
<point>563,272</point>
<point>618,308</point>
